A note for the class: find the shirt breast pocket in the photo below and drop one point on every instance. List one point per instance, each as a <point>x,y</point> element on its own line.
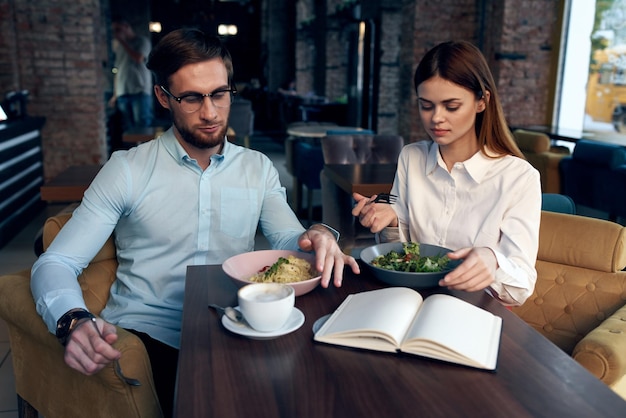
<point>239,211</point>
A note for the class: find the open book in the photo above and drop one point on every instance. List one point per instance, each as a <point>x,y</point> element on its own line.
<point>399,319</point>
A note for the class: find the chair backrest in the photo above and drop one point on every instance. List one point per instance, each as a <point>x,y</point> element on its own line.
<point>308,162</point>
<point>579,277</point>
<point>241,117</point>
<point>531,141</point>
<point>539,153</point>
<point>554,202</point>
<point>361,149</point>
<point>593,176</point>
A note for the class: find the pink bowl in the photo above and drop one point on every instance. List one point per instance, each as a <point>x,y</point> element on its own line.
<point>243,266</point>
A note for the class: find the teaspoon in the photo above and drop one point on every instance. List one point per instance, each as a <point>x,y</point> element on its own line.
<point>230,312</point>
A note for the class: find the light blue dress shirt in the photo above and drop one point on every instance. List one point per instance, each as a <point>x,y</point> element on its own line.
<point>165,214</point>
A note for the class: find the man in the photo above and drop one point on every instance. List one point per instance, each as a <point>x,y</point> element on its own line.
<point>187,197</point>
<point>132,83</point>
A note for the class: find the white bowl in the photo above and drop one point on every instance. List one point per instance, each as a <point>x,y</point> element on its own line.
<point>243,266</point>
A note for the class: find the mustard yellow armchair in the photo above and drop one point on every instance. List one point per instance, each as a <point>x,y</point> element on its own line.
<point>44,383</point>
<point>579,301</point>
<point>536,148</point>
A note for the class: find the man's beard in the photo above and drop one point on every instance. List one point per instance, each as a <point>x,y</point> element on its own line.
<point>197,141</point>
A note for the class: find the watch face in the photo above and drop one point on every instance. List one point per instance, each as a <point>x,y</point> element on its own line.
<point>68,322</point>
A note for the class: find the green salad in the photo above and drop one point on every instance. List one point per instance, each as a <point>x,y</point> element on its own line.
<point>410,260</point>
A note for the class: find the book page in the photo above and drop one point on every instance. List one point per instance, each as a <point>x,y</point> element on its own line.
<point>451,329</point>
<point>376,315</point>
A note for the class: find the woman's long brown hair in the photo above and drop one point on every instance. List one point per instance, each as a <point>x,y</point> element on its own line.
<point>463,64</point>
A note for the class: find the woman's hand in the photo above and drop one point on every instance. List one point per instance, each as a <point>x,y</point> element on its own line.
<point>375,216</point>
<point>476,272</point>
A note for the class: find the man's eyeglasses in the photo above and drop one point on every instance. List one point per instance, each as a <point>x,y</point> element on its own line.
<point>190,103</point>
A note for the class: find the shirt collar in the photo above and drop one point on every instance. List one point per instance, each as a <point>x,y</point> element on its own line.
<point>477,166</point>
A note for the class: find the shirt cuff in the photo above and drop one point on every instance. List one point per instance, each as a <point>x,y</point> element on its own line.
<point>388,234</point>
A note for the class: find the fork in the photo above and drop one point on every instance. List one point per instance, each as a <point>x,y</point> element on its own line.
<point>116,364</point>
<point>385,198</point>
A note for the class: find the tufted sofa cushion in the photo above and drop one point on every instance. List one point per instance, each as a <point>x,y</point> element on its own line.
<point>579,301</point>
<point>579,279</point>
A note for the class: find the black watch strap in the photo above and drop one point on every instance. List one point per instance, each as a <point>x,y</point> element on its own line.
<point>68,322</point>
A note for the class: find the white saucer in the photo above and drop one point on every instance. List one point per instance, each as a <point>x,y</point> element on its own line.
<point>321,321</point>
<point>295,321</point>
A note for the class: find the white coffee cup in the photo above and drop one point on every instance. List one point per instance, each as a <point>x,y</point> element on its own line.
<point>266,306</point>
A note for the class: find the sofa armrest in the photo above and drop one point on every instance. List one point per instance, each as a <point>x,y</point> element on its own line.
<point>17,308</point>
<point>42,377</point>
<point>603,350</point>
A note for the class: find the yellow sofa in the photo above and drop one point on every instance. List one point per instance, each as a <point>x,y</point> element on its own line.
<point>536,148</point>
<point>43,381</point>
<point>580,295</point>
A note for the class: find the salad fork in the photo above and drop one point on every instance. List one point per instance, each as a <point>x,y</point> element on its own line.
<point>116,364</point>
<point>385,198</point>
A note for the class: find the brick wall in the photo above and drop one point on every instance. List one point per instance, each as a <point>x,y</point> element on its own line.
<point>8,49</point>
<point>55,50</point>
<point>518,38</point>
<point>526,60</point>
<point>391,87</point>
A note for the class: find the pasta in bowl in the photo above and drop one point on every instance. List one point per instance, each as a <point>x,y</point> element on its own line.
<point>279,266</point>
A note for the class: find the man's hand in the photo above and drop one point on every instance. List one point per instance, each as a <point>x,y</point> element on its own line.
<point>89,348</point>
<point>328,256</point>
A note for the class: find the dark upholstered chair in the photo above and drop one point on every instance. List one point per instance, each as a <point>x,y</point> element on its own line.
<point>554,202</point>
<point>352,149</point>
<point>241,120</point>
<point>595,176</point>
<point>361,149</point>
<point>308,162</point>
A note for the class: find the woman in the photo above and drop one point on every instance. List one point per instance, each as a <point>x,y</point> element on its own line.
<point>470,189</point>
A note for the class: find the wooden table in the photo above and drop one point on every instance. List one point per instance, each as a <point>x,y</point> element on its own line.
<point>225,375</point>
<point>70,184</point>
<point>365,179</point>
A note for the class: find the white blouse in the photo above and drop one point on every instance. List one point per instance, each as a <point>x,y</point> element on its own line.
<point>482,202</point>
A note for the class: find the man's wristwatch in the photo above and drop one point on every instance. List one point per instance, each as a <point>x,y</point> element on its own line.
<point>68,322</point>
